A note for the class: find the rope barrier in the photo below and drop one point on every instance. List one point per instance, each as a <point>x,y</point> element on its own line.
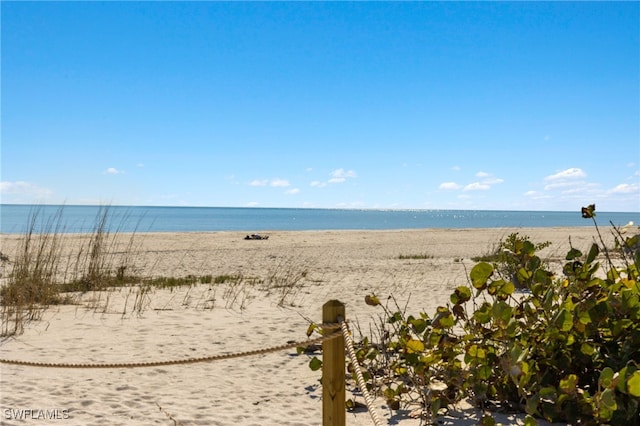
<point>340,327</point>
<point>359,377</point>
<point>181,361</point>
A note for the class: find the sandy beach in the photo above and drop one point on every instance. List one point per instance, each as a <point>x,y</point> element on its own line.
<point>209,319</point>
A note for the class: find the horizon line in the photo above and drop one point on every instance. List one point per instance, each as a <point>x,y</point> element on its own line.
<point>107,205</point>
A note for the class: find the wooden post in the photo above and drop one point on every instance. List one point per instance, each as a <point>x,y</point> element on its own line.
<point>333,387</point>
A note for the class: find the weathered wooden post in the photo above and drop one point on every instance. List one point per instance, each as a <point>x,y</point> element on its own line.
<point>333,386</point>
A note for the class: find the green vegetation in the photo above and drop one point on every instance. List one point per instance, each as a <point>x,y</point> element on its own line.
<point>46,271</point>
<point>415,256</point>
<point>31,283</point>
<point>518,338</point>
<point>513,254</point>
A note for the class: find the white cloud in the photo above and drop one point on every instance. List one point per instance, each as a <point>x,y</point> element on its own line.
<point>492,181</point>
<point>456,168</point>
<point>318,184</point>
<point>476,186</point>
<point>560,185</point>
<point>449,185</point>
<point>276,183</point>
<point>536,195</point>
<point>571,173</point>
<point>625,188</point>
<point>140,165</point>
<point>340,175</point>
<point>293,191</point>
<point>487,179</point>
<point>337,176</point>
<point>113,171</point>
<point>582,188</point>
<point>24,188</point>
<point>253,204</point>
<point>279,183</point>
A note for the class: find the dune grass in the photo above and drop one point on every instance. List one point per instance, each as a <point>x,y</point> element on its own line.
<point>48,269</point>
<point>31,283</point>
<point>419,256</point>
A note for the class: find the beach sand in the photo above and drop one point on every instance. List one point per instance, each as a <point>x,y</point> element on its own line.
<point>213,319</point>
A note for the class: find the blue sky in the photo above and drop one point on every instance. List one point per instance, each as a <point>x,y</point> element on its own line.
<point>407,105</point>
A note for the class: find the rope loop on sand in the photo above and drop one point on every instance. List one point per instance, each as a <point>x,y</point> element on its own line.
<point>341,330</point>
<point>302,344</point>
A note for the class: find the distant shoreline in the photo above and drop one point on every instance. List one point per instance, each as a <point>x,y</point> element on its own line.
<point>16,219</point>
<point>381,209</point>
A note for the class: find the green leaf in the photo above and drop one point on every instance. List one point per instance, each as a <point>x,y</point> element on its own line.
<point>436,404</point>
<point>593,253</point>
<point>621,383</point>
<point>564,320</point>
<point>483,313</point>
<point>608,399</point>
<point>372,300</point>
<point>461,295</point>
<point>606,378</point>
<point>528,247</point>
<point>484,372</point>
<point>633,384</point>
<point>350,404</point>
<point>502,313</point>
<point>512,328</point>
<point>508,288</point>
<point>569,383</point>
<point>414,346</point>
<point>584,317</point>
<point>574,253</point>
<point>315,364</point>
<point>587,349</point>
<point>419,324</point>
<point>480,273</point>
<point>630,299</point>
<point>530,421</point>
<point>444,318</point>
<point>400,370</point>
<point>531,407</point>
<point>547,392</point>
<point>541,276</point>
<point>396,317</point>
<point>487,420</point>
<point>476,351</point>
<point>524,275</point>
<point>312,327</point>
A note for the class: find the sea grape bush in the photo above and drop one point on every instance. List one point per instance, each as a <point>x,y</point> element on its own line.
<point>514,254</point>
<point>562,348</point>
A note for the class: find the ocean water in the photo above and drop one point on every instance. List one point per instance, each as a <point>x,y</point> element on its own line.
<point>76,219</point>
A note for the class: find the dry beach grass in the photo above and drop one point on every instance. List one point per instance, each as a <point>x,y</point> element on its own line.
<point>246,295</point>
